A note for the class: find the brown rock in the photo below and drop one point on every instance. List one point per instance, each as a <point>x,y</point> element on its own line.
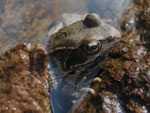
<point>23,80</point>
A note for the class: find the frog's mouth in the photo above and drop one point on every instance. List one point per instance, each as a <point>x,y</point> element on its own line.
<point>67,59</point>
<point>83,62</point>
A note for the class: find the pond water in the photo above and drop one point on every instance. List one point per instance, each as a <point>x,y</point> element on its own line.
<point>29,20</point>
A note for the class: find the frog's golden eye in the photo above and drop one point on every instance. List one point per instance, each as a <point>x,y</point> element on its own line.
<point>92,47</point>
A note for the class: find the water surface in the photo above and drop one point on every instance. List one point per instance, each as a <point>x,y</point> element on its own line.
<point>29,20</point>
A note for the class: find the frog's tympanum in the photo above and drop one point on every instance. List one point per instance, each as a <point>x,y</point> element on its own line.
<point>76,53</point>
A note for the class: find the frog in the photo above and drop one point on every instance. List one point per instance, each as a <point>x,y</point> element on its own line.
<point>77,49</point>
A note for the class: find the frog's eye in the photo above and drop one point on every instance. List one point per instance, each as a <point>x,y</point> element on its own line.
<point>92,47</point>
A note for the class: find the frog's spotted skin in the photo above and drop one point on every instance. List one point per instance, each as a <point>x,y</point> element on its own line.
<point>76,52</point>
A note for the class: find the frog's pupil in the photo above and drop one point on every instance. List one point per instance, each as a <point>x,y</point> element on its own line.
<point>92,46</point>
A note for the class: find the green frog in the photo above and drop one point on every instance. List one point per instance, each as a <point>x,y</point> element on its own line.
<point>76,53</point>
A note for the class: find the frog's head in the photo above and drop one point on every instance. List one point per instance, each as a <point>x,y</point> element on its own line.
<point>82,44</point>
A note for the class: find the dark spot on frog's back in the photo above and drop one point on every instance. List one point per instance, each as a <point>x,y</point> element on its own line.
<point>91,21</point>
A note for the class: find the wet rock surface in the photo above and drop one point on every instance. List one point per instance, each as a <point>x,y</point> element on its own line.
<point>23,80</point>
<point>123,84</point>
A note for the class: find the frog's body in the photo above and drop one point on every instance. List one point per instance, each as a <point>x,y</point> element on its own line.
<point>75,53</point>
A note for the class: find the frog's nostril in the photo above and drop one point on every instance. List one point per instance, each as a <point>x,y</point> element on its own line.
<point>110,38</point>
<point>118,38</point>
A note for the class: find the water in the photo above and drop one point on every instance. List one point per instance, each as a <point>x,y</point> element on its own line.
<point>29,20</point>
